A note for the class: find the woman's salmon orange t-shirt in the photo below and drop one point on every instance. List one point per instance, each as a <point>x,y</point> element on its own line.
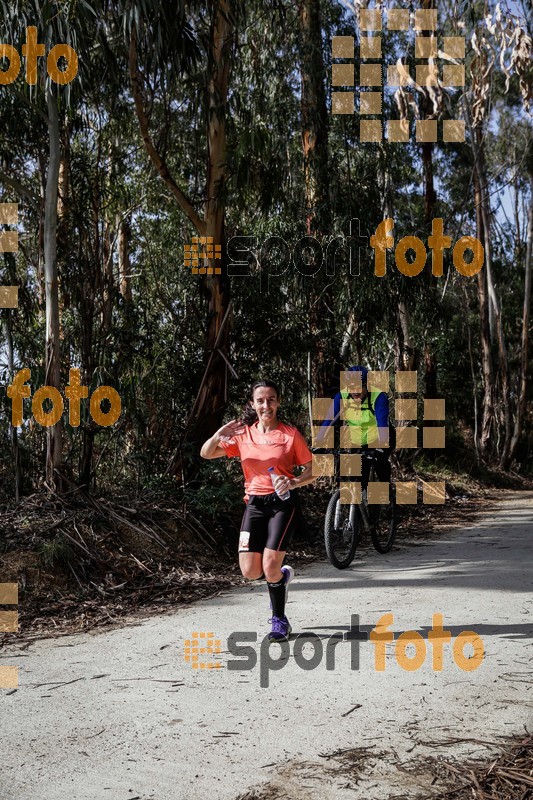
<point>283,448</point>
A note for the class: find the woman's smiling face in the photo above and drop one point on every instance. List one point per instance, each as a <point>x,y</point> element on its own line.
<point>265,403</point>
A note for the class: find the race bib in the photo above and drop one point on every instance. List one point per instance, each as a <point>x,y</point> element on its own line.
<point>244,541</point>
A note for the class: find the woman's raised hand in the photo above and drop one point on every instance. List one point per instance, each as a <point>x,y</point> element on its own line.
<point>232,428</point>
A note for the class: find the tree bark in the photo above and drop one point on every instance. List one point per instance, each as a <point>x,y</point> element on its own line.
<point>487,413</point>
<point>430,376</point>
<point>406,349</point>
<point>124,265</point>
<point>212,396</point>
<point>485,312</point>
<point>54,433</point>
<point>524,362</point>
<point>314,122</point>
<point>351,334</point>
<point>108,293</point>
<point>9,261</point>
<point>483,210</point>
<point>156,158</point>
<point>430,195</point>
<point>216,288</point>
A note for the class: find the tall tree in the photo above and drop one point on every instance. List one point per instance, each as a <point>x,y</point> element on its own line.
<point>524,356</point>
<point>164,32</point>
<point>48,27</point>
<point>314,127</point>
<point>54,433</point>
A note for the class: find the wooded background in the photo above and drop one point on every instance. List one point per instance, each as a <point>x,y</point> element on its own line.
<point>214,119</point>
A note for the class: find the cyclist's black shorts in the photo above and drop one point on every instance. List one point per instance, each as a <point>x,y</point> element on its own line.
<point>267,522</point>
<point>383,467</point>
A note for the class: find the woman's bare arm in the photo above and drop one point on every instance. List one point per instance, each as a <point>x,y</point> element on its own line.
<point>211,448</point>
<point>283,484</point>
<point>304,478</point>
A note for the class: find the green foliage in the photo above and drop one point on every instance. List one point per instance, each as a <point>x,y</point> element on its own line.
<point>152,348</point>
<point>56,553</point>
<point>217,490</point>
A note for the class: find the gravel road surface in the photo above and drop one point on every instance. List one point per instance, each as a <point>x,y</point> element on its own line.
<point>122,715</point>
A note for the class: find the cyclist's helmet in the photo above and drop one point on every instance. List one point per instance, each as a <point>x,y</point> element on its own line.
<point>362,370</point>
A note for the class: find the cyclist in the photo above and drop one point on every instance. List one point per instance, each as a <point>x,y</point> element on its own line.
<point>367,419</point>
<point>261,441</point>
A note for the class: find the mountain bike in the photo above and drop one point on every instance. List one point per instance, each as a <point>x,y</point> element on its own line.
<point>345,522</point>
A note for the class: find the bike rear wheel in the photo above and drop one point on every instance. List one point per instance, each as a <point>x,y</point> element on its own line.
<point>382,520</point>
<point>341,529</point>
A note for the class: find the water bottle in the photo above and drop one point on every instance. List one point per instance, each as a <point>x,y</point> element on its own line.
<point>284,496</point>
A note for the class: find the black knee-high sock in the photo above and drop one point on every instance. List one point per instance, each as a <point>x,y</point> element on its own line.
<point>277,597</point>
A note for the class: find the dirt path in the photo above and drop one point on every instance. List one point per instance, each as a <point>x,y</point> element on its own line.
<point>122,715</point>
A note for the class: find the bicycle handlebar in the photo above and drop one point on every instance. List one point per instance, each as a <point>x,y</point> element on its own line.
<point>337,451</point>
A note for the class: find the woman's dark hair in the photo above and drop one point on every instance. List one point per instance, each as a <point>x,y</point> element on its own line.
<point>249,417</point>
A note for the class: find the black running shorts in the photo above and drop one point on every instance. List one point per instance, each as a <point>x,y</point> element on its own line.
<point>267,522</point>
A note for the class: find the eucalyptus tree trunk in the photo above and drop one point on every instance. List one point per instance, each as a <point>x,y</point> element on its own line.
<point>314,120</point>
<point>124,264</point>
<point>485,308</point>
<point>9,261</point>
<point>487,408</point>
<point>430,195</point>
<point>54,433</point>
<point>87,354</point>
<point>524,362</point>
<point>406,346</point>
<point>314,127</point>
<point>483,215</point>
<point>206,415</point>
<point>216,288</point>
<point>352,334</point>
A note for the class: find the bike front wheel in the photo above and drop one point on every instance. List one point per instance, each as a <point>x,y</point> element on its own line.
<point>341,532</point>
<point>382,518</point>
<point>383,526</point>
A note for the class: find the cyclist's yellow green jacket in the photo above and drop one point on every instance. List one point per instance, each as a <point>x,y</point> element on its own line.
<point>363,420</point>
<point>360,417</point>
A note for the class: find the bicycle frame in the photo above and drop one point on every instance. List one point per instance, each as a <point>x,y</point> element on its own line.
<point>353,511</point>
<point>344,523</point>
<point>360,508</point>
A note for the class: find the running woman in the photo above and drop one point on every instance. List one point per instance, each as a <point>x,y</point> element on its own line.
<point>261,441</point>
